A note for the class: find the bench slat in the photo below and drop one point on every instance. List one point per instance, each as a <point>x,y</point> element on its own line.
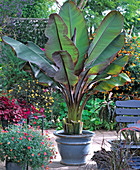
<point>128,103</point>
<point>127,119</point>
<point>121,111</point>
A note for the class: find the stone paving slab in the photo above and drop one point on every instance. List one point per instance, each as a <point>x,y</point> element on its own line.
<point>99,140</point>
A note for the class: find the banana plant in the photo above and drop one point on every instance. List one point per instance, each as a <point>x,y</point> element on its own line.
<point>78,69</point>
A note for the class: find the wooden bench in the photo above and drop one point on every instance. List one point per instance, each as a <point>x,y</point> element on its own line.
<point>128,112</point>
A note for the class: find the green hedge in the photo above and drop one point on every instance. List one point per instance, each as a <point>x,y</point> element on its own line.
<point>27,29</point>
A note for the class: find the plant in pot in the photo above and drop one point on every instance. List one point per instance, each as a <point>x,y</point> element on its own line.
<point>76,68</point>
<point>130,142</point>
<point>111,160</point>
<point>23,145</point>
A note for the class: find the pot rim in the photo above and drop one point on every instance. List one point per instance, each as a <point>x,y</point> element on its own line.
<point>85,134</point>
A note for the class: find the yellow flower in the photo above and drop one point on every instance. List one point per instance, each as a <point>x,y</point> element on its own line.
<point>133,64</point>
<point>50,97</point>
<point>10,90</point>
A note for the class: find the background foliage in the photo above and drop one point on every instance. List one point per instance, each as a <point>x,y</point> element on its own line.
<point>39,9</point>
<point>21,85</point>
<point>11,73</point>
<point>94,12</point>
<point>27,30</point>
<point>12,8</point>
<point>130,90</point>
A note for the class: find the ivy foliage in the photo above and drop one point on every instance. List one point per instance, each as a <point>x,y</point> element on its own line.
<point>39,9</point>
<point>27,30</point>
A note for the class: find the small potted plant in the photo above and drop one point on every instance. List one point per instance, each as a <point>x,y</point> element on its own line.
<point>76,68</point>
<point>23,145</point>
<point>108,160</point>
<point>130,141</point>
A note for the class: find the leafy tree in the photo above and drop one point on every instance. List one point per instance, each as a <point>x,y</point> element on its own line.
<point>39,9</point>
<point>94,11</point>
<point>131,14</point>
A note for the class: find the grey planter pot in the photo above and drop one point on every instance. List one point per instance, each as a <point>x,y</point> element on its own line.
<point>4,123</point>
<point>15,166</point>
<point>73,148</point>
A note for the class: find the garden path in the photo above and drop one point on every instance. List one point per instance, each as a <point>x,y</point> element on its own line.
<point>100,139</point>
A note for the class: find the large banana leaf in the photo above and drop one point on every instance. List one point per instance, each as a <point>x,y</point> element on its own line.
<point>65,73</point>
<point>56,31</point>
<point>73,18</point>
<point>40,76</point>
<point>35,48</point>
<point>113,69</point>
<point>116,66</point>
<point>103,60</point>
<point>38,50</point>
<point>107,32</point>
<point>25,53</point>
<point>107,85</point>
<point>35,70</point>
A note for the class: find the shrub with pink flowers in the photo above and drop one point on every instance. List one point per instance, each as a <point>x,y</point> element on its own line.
<point>26,145</point>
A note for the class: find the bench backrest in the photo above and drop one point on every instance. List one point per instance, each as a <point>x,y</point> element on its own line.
<point>128,111</point>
